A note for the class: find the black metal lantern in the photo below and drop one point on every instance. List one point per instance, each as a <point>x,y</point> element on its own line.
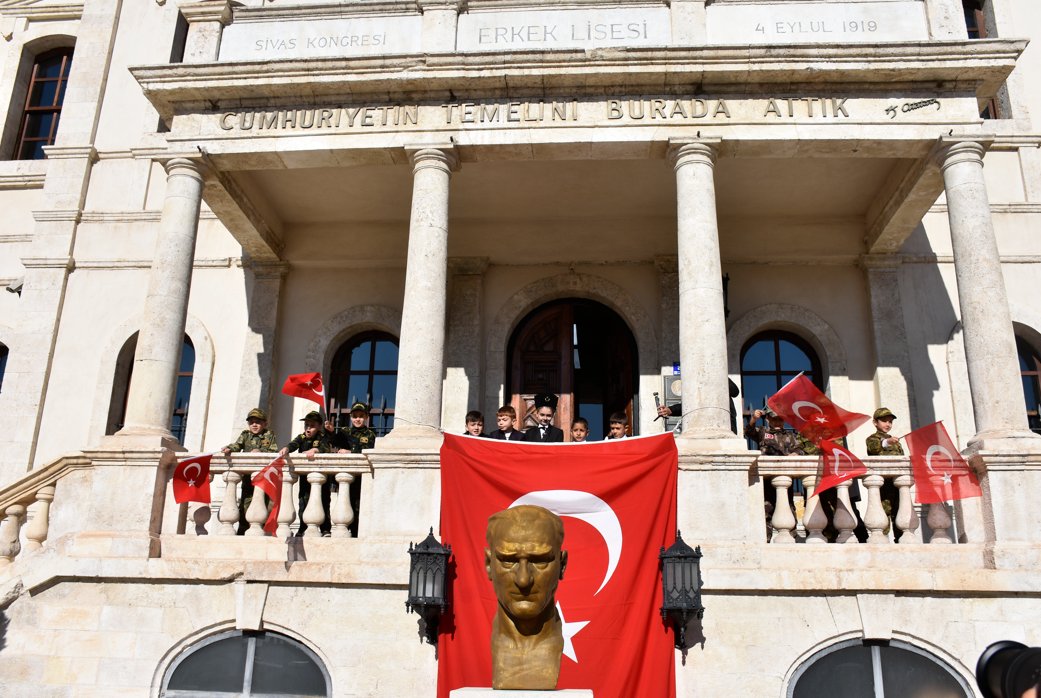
<point>427,589</point>
<point>681,587</point>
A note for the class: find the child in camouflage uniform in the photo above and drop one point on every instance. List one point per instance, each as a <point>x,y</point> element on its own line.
<point>881,443</point>
<point>773,440</point>
<point>255,438</point>
<point>313,440</point>
<point>356,438</point>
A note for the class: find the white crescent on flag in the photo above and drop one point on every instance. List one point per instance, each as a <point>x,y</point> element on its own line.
<point>799,404</point>
<point>585,507</point>
<point>933,450</point>
<point>198,472</point>
<point>835,461</point>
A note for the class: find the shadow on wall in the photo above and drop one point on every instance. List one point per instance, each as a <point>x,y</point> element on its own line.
<point>929,315</point>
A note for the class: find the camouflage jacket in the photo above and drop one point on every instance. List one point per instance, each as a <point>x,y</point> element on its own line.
<point>265,442</point>
<point>875,447</point>
<point>773,442</point>
<point>319,441</point>
<point>354,439</point>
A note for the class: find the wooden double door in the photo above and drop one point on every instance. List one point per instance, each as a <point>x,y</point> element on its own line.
<point>581,351</point>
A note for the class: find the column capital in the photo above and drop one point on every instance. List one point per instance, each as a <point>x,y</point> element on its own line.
<point>954,151</point>
<point>184,167</point>
<point>207,11</point>
<point>467,265</point>
<point>456,6</point>
<point>687,151</point>
<point>440,156</point>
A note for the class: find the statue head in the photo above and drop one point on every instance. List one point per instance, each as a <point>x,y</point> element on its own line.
<point>524,560</point>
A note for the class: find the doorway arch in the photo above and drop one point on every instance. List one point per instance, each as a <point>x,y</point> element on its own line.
<point>580,350</point>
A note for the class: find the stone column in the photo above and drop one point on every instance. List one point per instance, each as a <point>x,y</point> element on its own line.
<point>702,326</point>
<point>159,342</point>
<point>464,349</point>
<point>990,345</point>
<point>264,283</point>
<point>894,387</point>
<point>421,348</point>
<point>206,22</point>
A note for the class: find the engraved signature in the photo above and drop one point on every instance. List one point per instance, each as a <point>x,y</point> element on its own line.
<point>911,106</point>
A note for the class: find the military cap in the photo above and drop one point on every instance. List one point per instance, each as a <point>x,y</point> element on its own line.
<point>360,407</point>
<point>768,411</point>
<point>883,413</point>
<point>546,400</point>
<point>257,413</point>
<point>312,416</point>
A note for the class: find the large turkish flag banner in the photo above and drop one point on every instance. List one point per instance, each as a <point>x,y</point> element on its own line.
<point>617,500</point>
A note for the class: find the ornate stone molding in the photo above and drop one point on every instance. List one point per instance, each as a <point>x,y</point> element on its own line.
<point>207,11</point>
<point>345,323</point>
<point>66,263</point>
<point>68,215</point>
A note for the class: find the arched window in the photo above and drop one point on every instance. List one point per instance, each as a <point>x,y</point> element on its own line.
<point>43,101</point>
<point>247,664</point>
<point>771,359</point>
<point>1030,370</point>
<point>121,388</point>
<point>365,368</point>
<point>894,670</point>
<point>3,364</point>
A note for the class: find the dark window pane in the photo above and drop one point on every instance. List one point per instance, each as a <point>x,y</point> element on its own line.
<point>845,673</point>
<point>793,358</point>
<point>43,94</point>
<point>756,388</point>
<point>360,357</point>
<point>219,666</point>
<point>50,67</point>
<point>38,125</point>
<point>32,150</point>
<point>3,364</point>
<point>280,667</point>
<point>357,389</point>
<point>61,92</point>
<point>1030,392</point>
<point>759,357</point>
<point>386,356</point>
<point>187,358</point>
<point>383,388</point>
<point>906,673</point>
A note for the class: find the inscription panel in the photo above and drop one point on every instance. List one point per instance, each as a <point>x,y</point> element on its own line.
<point>497,31</point>
<point>791,23</point>
<point>362,36</point>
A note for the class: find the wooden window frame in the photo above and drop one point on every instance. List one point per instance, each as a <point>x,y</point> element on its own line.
<point>25,147</point>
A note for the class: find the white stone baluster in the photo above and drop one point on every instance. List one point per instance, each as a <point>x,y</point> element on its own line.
<point>343,514</point>
<point>9,529</point>
<point>940,522</point>
<point>287,511</point>
<point>843,519</point>
<point>314,514</point>
<point>229,508</point>
<point>906,515</point>
<point>813,518</point>
<point>36,531</point>
<point>783,519</point>
<point>875,519</point>
<point>256,514</point>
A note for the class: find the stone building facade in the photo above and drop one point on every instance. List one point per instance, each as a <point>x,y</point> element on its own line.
<point>445,205</point>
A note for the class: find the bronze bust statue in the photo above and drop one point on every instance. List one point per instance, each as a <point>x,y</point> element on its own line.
<point>525,561</point>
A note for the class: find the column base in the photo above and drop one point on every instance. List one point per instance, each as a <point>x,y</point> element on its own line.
<point>1005,441</point>
<point>139,439</point>
<point>710,441</point>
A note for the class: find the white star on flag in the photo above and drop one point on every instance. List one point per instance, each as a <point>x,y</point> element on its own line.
<point>569,630</point>
<point>191,483</point>
<point>946,478</point>
<point>821,420</point>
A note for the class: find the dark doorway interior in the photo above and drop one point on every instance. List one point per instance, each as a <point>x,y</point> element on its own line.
<point>581,351</point>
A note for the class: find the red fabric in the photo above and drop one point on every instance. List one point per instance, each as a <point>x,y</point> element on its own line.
<point>269,481</point>
<point>625,649</point>
<point>811,412</point>
<point>837,466</point>
<point>940,473</point>
<point>191,480</point>
<point>309,386</point>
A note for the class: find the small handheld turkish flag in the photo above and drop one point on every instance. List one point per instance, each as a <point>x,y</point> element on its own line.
<point>838,466</point>
<point>811,412</point>
<point>269,481</point>
<point>309,386</point>
<point>940,473</point>
<point>191,480</point>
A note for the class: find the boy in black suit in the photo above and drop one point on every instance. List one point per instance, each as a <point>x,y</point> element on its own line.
<point>544,431</point>
<point>505,417</point>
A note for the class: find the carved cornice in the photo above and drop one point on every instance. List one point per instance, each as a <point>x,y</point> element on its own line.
<point>117,264</point>
<point>338,10</point>
<point>207,11</point>
<point>57,216</point>
<point>955,66</point>
<point>22,180</point>
<point>42,12</point>
<point>66,263</point>
<point>59,152</point>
